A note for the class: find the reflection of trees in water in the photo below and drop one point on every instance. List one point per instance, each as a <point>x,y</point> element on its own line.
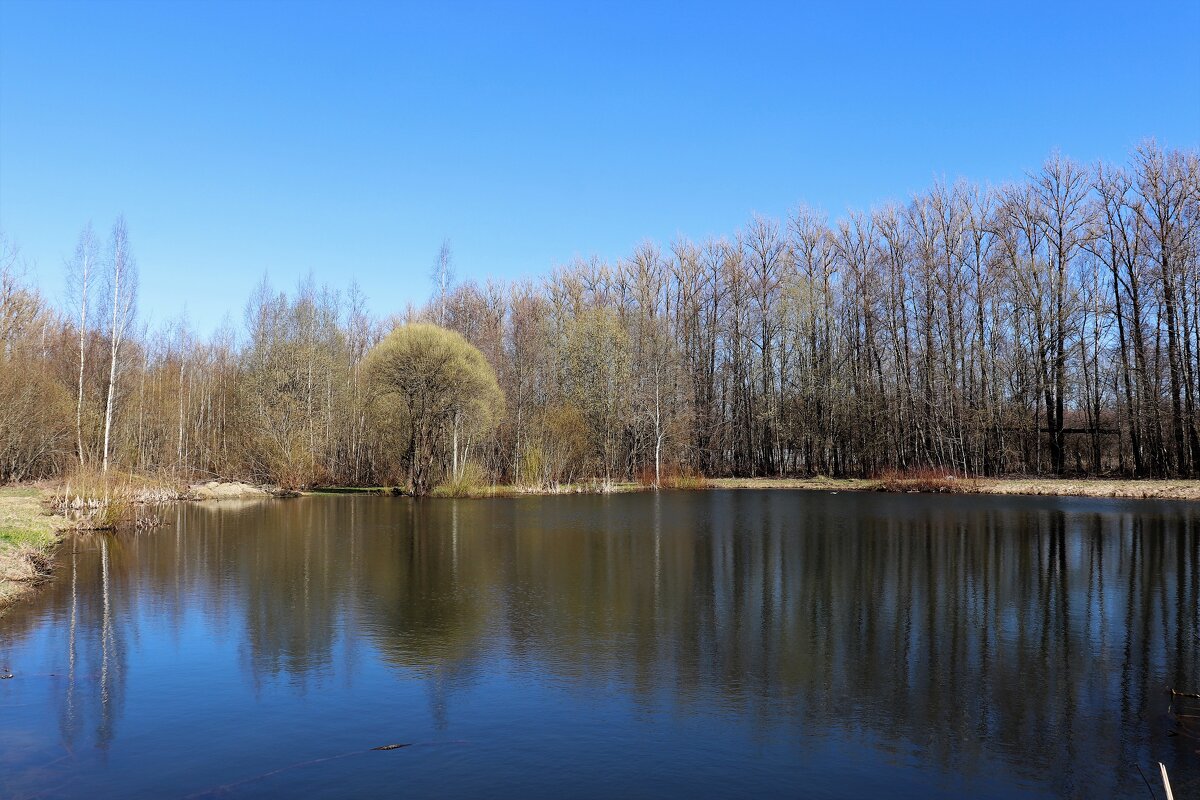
<point>295,590</point>
<point>1011,634</point>
<point>429,606</point>
<point>974,628</point>
<point>89,626</point>
<point>112,652</point>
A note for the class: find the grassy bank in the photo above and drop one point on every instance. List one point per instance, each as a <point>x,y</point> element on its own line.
<point>28,535</point>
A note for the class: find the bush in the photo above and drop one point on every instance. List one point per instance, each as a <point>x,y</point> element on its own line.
<point>471,482</point>
<point>673,477</point>
<point>35,415</point>
<point>684,479</point>
<point>923,479</point>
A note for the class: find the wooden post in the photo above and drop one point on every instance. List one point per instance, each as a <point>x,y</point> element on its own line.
<point>1166,783</point>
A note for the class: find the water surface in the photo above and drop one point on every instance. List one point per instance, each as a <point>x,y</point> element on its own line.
<point>706,644</point>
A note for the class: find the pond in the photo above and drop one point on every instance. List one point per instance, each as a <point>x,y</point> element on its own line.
<point>702,644</point>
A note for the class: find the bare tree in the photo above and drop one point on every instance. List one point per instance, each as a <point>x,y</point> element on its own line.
<point>1062,188</point>
<point>122,280</point>
<point>443,278</point>
<point>80,275</point>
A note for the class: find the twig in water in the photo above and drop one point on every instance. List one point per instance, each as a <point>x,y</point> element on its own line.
<point>1149,788</point>
<point>230,786</point>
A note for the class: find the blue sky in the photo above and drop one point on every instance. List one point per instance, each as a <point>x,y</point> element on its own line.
<point>348,139</point>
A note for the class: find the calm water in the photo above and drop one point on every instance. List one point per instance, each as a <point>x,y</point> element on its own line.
<point>687,644</point>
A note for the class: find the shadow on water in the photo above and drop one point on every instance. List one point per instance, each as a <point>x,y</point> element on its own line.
<point>1009,644</point>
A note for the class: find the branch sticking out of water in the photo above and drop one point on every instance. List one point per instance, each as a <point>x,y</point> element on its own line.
<point>1166,782</point>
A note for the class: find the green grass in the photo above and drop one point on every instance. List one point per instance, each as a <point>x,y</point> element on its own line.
<point>21,536</point>
<point>23,523</point>
<point>19,491</point>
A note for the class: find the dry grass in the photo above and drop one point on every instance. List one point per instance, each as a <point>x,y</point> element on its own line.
<point>225,490</point>
<point>690,481</point>
<point>1092,487</point>
<point>471,482</point>
<point>930,481</point>
<point>1057,487</point>
<point>818,483</point>
<point>549,489</point>
<point>672,477</point>
<point>895,482</point>
<point>94,500</point>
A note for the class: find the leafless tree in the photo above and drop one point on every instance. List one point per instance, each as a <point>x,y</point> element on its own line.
<point>122,297</point>
<point>81,271</point>
<point>443,278</point>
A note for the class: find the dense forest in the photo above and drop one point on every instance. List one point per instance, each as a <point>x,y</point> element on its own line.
<point>1050,326</point>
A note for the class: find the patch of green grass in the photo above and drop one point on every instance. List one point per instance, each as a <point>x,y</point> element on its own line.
<point>23,521</point>
<point>19,491</point>
<point>25,537</point>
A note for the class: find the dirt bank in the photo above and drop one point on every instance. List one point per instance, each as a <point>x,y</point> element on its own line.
<point>28,535</point>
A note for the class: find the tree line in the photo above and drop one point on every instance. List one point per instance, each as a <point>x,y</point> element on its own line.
<point>1049,326</point>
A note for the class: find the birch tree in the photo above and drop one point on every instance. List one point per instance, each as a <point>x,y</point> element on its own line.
<point>81,271</point>
<point>122,298</point>
<point>443,278</point>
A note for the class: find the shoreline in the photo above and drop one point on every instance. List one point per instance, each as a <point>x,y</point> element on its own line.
<point>1115,488</point>
<point>29,533</point>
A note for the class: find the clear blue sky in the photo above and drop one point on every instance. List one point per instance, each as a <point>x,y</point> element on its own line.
<point>347,139</point>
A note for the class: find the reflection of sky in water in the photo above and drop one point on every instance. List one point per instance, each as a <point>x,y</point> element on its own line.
<point>701,643</point>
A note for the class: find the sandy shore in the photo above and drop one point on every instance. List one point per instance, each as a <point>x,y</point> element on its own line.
<point>225,490</point>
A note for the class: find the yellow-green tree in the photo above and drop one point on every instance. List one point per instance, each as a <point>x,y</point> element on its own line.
<point>598,377</point>
<point>444,386</point>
